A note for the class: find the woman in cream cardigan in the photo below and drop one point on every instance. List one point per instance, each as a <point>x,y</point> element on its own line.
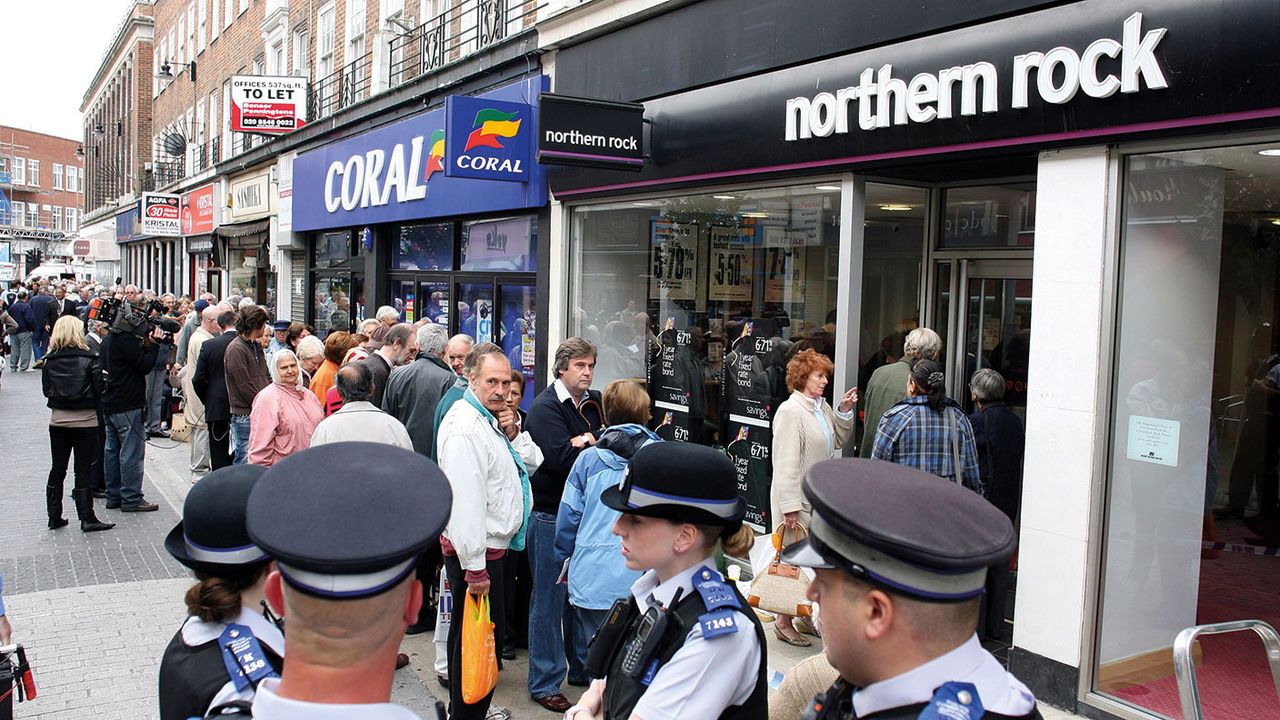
<point>805,431</point>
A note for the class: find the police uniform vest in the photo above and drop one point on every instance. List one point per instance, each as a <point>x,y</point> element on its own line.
<point>837,704</point>
<point>192,675</point>
<point>622,691</point>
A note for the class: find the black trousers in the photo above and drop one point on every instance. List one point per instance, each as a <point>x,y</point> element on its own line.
<point>63,441</point>
<point>98,470</point>
<point>995,602</point>
<point>458,590</point>
<point>219,444</point>
<point>519,587</point>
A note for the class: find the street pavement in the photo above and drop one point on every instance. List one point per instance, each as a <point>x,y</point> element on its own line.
<point>96,610</point>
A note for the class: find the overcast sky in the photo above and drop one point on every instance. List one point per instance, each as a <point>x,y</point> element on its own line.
<point>52,49</point>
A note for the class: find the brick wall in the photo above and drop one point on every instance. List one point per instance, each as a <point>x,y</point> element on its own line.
<point>48,150</point>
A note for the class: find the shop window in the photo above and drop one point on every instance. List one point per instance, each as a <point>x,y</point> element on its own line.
<point>504,245</point>
<point>989,216</point>
<point>332,250</point>
<point>423,247</point>
<point>1192,521</point>
<point>337,302</point>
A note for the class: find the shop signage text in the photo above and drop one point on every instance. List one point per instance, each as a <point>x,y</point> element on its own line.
<point>591,133</point>
<point>250,197</point>
<point>883,100</point>
<point>367,179</point>
<point>487,139</point>
<point>161,215</point>
<point>197,211</point>
<point>266,104</point>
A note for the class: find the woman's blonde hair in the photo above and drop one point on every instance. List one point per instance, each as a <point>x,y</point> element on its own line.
<point>68,332</point>
<point>625,401</point>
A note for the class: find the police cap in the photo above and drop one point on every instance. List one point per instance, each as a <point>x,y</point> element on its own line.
<point>902,529</point>
<point>348,520</point>
<point>682,482</point>
<point>211,537</point>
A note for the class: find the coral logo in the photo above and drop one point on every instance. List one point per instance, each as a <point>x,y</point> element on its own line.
<point>491,125</point>
<point>435,157</point>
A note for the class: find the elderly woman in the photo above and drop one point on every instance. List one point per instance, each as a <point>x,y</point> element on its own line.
<point>806,431</point>
<point>336,346</point>
<point>310,352</point>
<point>928,431</point>
<point>284,413</point>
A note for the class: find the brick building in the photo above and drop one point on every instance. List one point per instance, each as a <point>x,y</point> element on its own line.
<point>41,195</point>
<point>116,112</point>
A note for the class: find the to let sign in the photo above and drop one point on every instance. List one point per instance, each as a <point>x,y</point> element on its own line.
<point>268,104</point>
<point>591,133</point>
<point>161,215</point>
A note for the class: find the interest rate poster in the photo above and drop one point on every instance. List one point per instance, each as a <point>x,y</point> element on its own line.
<point>750,377</point>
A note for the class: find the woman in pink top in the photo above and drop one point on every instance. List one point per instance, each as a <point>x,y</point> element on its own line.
<point>284,413</point>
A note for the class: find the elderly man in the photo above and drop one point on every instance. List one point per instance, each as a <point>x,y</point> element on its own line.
<point>487,461</point>
<point>310,357</point>
<point>455,352</point>
<point>388,316</point>
<point>193,410</point>
<point>45,311</point>
<point>209,382</point>
<point>193,321</point>
<point>888,384</point>
<point>246,368</point>
<point>399,347</point>
<point>359,419</point>
<point>565,418</point>
<point>414,391</point>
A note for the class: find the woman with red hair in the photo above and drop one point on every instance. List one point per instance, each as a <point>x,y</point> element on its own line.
<point>806,430</point>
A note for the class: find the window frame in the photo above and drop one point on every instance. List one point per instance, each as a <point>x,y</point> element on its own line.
<point>57,176</point>
<point>33,172</point>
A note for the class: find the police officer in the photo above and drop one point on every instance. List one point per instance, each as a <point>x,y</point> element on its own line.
<point>225,606</point>
<point>345,524</point>
<point>901,557</point>
<point>685,644</point>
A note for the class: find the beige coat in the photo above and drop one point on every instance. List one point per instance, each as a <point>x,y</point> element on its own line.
<point>799,443</point>
<point>192,408</point>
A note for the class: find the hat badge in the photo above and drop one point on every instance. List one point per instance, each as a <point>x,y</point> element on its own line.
<point>964,697</point>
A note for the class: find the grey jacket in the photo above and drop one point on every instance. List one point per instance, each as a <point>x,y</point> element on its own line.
<point>413,391</point>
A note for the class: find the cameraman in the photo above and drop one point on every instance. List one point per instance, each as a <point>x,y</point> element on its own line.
<point>127,358</point>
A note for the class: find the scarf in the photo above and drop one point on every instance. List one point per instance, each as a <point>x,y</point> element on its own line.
<point>526,492</point>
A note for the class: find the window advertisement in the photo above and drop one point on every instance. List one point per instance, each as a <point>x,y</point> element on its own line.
<point>703,298</point>
<point>507,245</point>
<point>1192,525</point>
<point>197,211</point>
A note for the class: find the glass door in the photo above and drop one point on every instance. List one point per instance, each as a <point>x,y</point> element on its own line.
<point>992,319</point>
<point>517,332</point>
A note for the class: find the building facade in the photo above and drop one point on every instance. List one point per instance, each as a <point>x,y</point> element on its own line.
<point>41,198</point>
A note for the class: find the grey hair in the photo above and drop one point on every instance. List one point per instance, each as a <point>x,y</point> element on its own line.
<point>274,365</point>
<point>571,349</point>
<point>464,339</point>
<point>476,357</point>
<point>310,347</point>
<point>386,312</point>
<point>923,344</point>
<point>354,382</point>
<point>246,302</point>
<point>366,326</point>
<point>399,333</point>
<point>987,386</point>
<point>432,339</point>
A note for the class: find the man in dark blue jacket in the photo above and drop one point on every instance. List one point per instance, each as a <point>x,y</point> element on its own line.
<point>565,418</point>
<point>20,340</point>
<point>44,308</point>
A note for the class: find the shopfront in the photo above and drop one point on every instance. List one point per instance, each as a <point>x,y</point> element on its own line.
<point>204,272</point>
<point>1092,175</point>
<point>245,236</point>
<point>401,216</point>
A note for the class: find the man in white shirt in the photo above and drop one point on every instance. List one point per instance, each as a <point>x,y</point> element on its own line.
<point>359,419</point>
<point>488,466</point>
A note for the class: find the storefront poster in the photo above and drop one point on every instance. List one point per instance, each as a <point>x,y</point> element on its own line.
<point>751,377</point>
<point>673,260</point>
<point>501,245</point>
<point>395,173</point>
<point>671,384</point>
<point>161,215</point>
<point>784,264</point>
<point>731,265</point>
<point>197,211</point>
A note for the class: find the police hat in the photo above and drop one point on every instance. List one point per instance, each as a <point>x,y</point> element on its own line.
<point>680,481</point>
<point>280,325</point>
<point>211,537</point>
<point>902,529</point>
<point>348,520</point>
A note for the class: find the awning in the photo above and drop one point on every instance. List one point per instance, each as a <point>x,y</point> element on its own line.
<point>245,235</point>
<point>200,244</point>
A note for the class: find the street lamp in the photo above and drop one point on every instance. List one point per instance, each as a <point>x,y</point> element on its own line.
<point>166,70</point>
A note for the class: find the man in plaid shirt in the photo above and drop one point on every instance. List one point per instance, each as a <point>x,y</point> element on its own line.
<point>919,430</point>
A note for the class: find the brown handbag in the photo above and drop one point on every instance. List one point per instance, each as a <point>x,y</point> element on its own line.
<point>782,589</point>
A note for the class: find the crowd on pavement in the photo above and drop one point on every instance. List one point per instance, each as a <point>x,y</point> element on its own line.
<point>530,526</point>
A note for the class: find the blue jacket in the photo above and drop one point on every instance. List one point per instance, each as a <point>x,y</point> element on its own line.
<point>584,526</point>
<point>44,308</point>
<point>21,314</point>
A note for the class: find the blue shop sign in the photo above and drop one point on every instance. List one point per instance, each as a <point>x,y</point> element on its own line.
<point>127,225</point>
<point>398,172</point>
<point>487,139</point>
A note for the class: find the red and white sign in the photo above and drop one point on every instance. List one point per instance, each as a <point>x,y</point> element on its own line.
<point>197,211</point>
<point>80,248</point>
<point>160,214</point>
<point>272,105</point>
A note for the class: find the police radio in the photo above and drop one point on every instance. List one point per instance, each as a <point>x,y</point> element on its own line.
<point>649,638</point>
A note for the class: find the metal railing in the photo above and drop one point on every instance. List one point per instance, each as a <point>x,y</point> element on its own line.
<point>204,156</point>
<point>164,173</point>
<point>1184,665</point>
<point>466,27</point>
<point>347,86</point>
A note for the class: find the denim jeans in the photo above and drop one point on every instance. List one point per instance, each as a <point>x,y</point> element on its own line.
<point>585,623</point>
<point>550,624</point>
<point>39,344</point>
<point>125,442</point>
<point>155,398</point>
<point>20,343</point>
<point>240,439</point>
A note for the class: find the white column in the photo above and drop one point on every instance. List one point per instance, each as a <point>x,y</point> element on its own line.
<point>853,213</point>
<point>1063,403</point>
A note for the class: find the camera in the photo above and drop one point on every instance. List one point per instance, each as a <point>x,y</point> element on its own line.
<point>142,320</point>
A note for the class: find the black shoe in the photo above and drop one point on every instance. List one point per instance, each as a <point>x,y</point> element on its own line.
<point>143,506</point>
<point>508,653</point>
<point>113,506</point>
<point>99,493</point>
<point>444,681</point>
<point>55,523</point>
<point>158,434</point>
<point>579,683</point>
<point>95,526</point>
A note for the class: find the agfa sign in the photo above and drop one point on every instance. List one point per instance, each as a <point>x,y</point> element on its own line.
<point>161,215</point>
<point>487,139</point>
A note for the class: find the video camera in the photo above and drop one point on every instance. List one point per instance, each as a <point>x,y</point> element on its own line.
<point>120,316</point>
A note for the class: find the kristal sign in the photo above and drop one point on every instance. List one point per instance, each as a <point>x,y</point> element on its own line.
<point>161,215</point>
<point>487,139</point>
<point>398,172</point>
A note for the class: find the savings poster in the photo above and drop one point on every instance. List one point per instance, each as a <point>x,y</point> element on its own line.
<point>731,264</point>
<point>670,382</point>
<point>673,260</point>
<point>751,374</point>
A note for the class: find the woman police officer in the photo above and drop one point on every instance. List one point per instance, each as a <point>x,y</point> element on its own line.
<point>226,623</point>
<point>684,644</point>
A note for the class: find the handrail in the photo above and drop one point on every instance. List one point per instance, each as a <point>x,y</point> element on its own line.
<point>1184,667</point>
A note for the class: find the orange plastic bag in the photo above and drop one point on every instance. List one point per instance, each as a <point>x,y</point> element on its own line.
<point>479,654</point>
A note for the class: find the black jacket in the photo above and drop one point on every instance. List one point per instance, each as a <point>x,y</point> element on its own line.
<point>125,364</point>
<point>45,309</point>
<point>72,379</point>
<point>411,397</point>
<point>551,424</point>
<point>210,380</point>
<point>1000,440</point>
